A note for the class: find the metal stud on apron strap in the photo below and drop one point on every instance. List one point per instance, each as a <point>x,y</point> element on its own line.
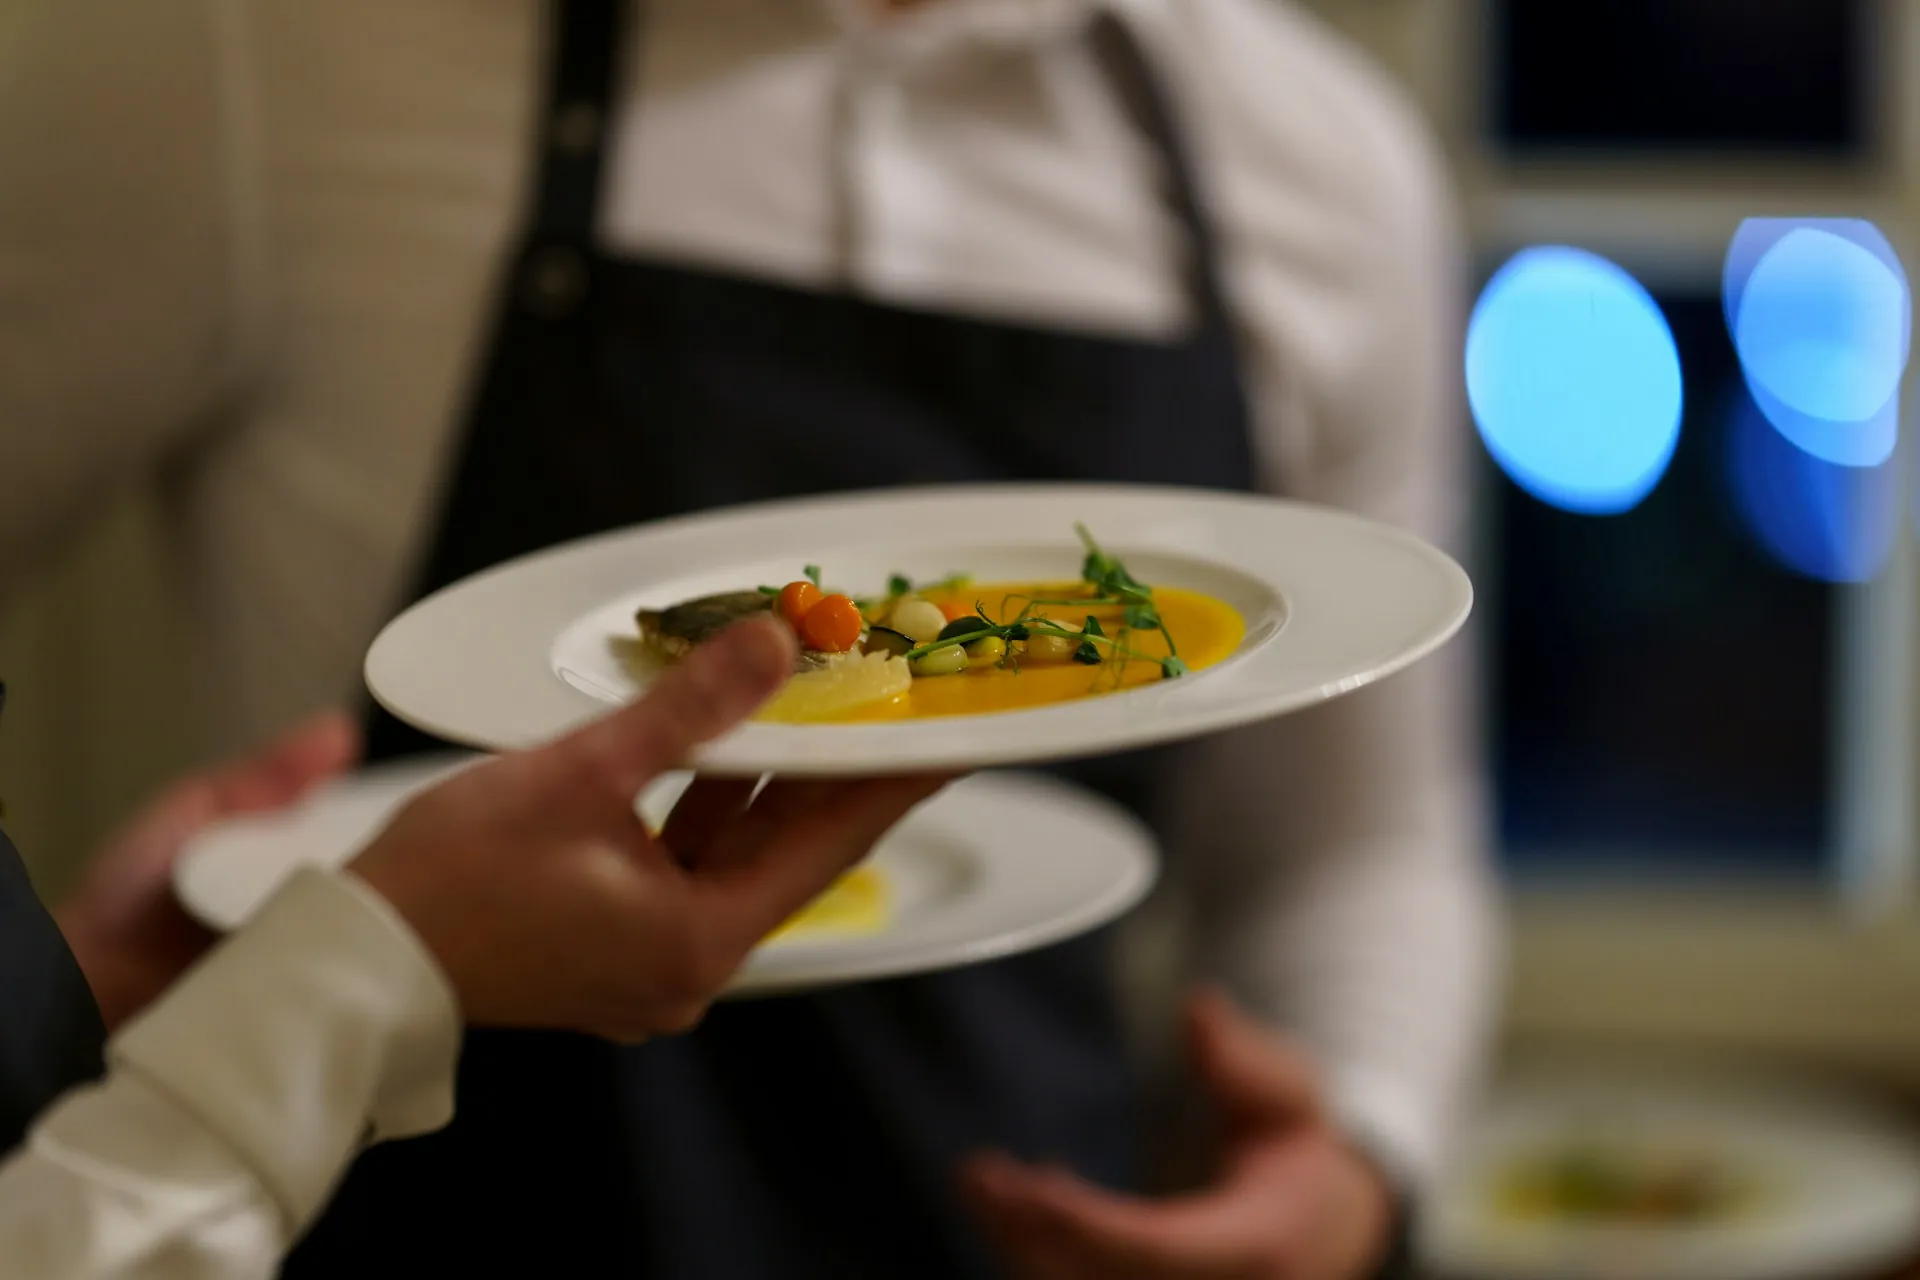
<point>809,1136</point>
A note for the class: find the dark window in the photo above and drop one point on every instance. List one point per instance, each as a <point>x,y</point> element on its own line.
<point>1662,691</point>
<point>1639,76</point>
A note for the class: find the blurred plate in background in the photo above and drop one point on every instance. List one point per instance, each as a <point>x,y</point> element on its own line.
<point>1604,1176</point>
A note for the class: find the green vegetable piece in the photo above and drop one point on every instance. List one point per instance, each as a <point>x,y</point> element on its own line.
<point>950,661</point>
<point>888,641</point>
<point>986,650</point>
<point>961,627</point>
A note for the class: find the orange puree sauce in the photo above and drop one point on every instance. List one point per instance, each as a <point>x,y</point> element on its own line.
<point>1205,631</point>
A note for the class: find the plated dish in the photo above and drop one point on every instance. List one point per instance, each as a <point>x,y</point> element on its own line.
<point>1267,607</point>
<point>956,646</point>
<point>1603,1179</point>
<point>939,891</point>
<point>1590,1174</point>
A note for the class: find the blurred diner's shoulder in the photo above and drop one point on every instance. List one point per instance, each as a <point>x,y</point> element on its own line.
<point>1292,114</point>
<point>1345,250</point>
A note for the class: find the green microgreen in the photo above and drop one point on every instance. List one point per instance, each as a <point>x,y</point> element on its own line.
<point>1109,577</point>
<point>1089,652</point>
<point>966,637</point>
<point>1113,587</point>
<point>899,584</point>
<point>1031,627</point>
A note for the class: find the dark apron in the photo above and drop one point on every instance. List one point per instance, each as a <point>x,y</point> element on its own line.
<point>810,1136</point>
<point>51,1036</point>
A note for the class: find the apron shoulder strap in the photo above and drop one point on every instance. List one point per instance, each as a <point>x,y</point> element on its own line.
<point>584,53</point>
<point>1145,96</point>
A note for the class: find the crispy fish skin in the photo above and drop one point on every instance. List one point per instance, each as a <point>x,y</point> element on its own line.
<point>675,630</point>
<point>698,621</point>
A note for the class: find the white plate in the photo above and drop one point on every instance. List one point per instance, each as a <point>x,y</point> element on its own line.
<point>1838,1179</point>
<point>955,896</point>
<point>524,651</point>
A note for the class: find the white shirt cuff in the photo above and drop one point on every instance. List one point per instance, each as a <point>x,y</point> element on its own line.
<point>1390,1125</point>
<point>321,1024</point>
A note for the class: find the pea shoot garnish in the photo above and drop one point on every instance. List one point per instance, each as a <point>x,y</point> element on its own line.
<point>1088,652</point>
<point>1109,586</point>
<point>1110,579</point>
<point>1112,586</point>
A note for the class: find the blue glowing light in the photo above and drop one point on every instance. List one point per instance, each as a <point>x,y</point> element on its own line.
<point>1821,317</point>
<point>1816,518</point>
<point>1574,380</point>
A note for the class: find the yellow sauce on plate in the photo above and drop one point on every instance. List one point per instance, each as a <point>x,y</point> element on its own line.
<point>1206,631</point>
<point>856,906</point>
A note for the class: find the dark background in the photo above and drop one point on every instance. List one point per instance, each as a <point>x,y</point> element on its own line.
<point>1661,687</point>
<point>1761,76</point>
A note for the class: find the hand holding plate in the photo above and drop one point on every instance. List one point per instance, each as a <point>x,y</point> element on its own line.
<point>550,904</point>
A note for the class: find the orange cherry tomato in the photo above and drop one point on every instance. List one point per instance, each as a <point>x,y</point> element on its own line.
<point>954,610</point>
<point>796,598</point>
<point>832,626</point>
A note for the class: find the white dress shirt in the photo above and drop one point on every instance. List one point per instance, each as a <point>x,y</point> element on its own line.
<point>233,1105</point>
<point>973,157</point>
<point>249,247</point>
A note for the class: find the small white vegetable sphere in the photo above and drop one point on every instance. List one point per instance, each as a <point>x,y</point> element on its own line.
<point>918,621</point>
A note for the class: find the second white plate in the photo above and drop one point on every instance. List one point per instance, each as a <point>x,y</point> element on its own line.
<point>955,895</point>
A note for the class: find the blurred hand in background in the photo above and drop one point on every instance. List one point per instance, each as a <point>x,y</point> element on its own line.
<point>126,928</point>
<point>1290,1199</point>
